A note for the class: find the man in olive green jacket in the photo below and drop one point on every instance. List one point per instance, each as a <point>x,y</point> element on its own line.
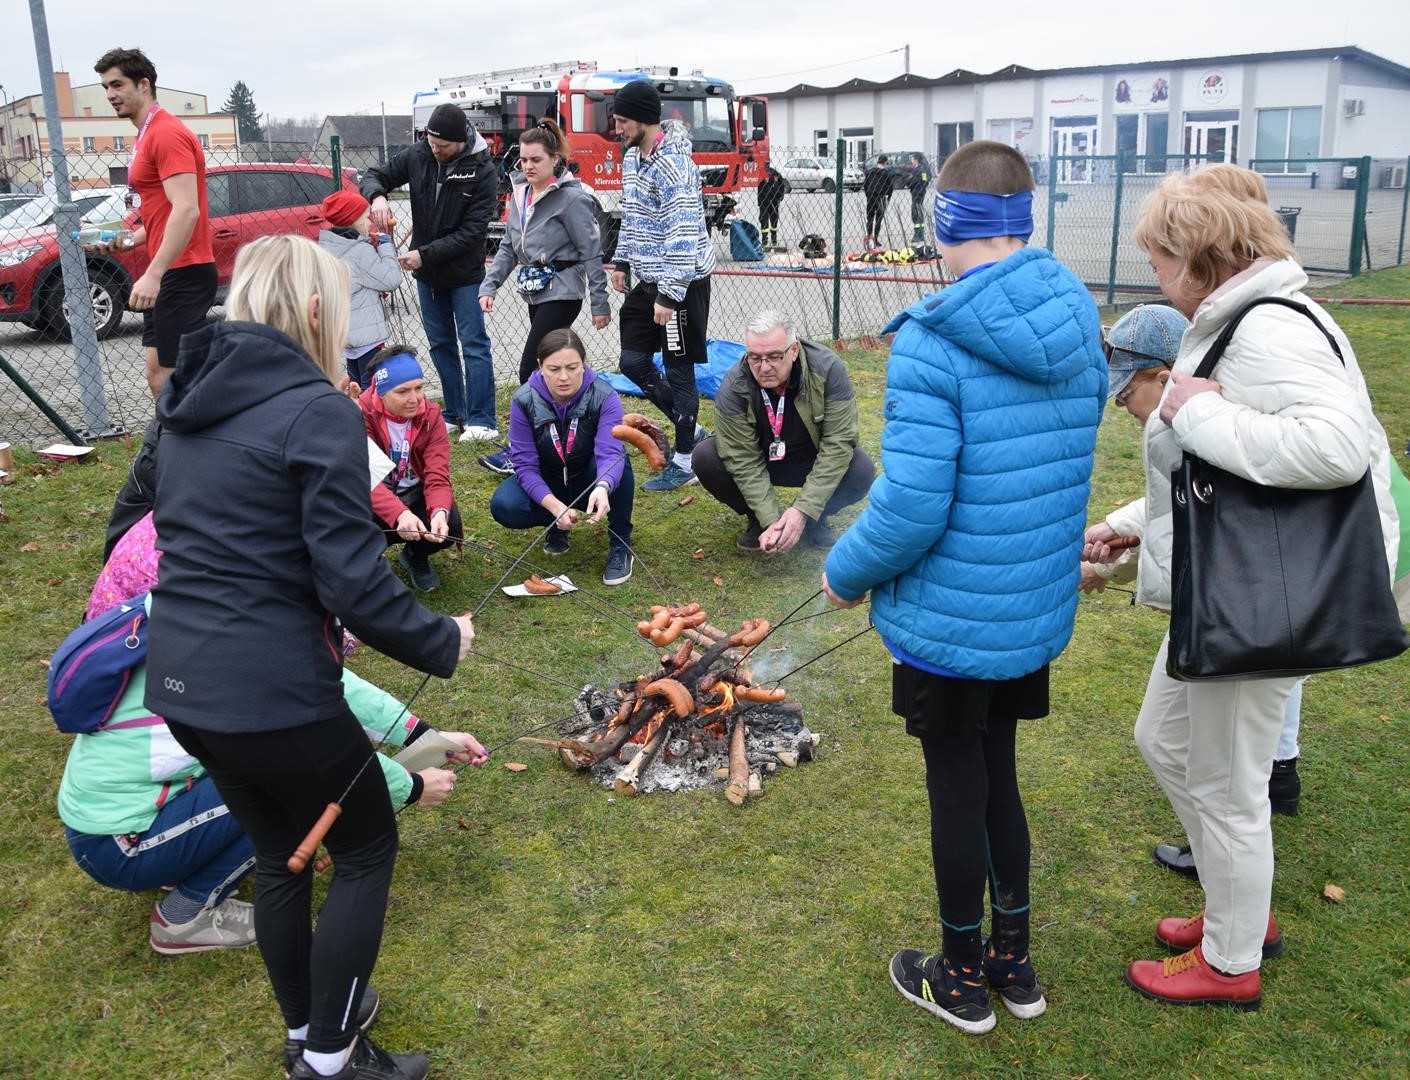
<point>785,416</point>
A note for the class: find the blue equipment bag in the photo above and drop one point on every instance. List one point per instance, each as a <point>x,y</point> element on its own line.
<point>745,243</point>
<point>91,669</point>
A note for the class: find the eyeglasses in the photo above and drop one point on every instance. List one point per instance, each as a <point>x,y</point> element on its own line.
<point>1124,396</point>
<point>768,359</point>
<point>1108,348</point>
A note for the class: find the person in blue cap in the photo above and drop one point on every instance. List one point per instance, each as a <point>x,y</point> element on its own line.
<point>970,548</point>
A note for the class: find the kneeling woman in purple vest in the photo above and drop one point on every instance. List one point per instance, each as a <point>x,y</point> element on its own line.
<point>568,469</point>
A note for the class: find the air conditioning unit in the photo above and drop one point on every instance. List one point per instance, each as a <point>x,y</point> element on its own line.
<point>1393,176</point>
<point>1353,107</point>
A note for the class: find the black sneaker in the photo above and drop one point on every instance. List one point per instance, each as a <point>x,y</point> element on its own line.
<point>370,1062</point>
<point>955,994</point>
<point>1179,860</point>
<point>366,1016</point>
<point>556,542</point>
<point>1014,980</point>
<point>418,567</point>
<point>748,540</point>
<point>619,565</point>
<point>818,534</point>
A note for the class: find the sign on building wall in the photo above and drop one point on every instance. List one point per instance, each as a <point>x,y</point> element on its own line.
<point>1141,90</point>
<point>1213,88</point>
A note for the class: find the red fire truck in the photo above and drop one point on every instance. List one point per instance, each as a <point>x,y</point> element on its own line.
<point>730,133</point>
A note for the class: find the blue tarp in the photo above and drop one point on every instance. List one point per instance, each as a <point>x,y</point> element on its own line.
<point>745,243</point>
<point>723,356</point>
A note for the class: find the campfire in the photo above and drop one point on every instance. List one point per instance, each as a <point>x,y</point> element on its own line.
<point>696,721</point>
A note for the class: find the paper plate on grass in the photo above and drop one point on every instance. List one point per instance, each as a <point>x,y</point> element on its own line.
<point>65,452</point>
<point>565,585</point>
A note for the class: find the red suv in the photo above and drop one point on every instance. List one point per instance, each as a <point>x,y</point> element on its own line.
<point>246,201</point>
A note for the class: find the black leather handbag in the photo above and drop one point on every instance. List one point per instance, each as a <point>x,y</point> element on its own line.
<point>1272,581</point>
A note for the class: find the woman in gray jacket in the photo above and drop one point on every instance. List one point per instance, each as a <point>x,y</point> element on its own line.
<point>551,236</point>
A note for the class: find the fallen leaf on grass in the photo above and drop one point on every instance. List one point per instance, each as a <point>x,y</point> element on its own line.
<point>686,501</point>
<point>719,581</point>
<point>33,545</point>
<point>515,766</point>
<point>46,664</point>
<point>1335,893</point>
<point>55,581</point>
<point>698,553</point>
<point>462,823</point>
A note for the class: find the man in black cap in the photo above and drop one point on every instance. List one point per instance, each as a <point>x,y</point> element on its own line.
<point>453,187</point>
<point>663,242</point>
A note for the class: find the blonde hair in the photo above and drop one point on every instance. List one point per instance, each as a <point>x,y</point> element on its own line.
<point>1211,224</point>
<point>273,281</point>
<point>1240,183</point>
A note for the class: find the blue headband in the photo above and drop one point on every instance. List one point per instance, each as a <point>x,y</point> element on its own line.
<point>973,215</point>
<point>394,371</point>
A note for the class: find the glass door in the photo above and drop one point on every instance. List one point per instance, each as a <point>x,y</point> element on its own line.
<point>1213,138</point>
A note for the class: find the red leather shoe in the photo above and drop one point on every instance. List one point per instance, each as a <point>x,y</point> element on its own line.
<point>1181,935</point>
<point>1187,980</point>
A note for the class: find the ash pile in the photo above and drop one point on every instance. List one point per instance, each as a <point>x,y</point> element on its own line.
<point>696,721</point>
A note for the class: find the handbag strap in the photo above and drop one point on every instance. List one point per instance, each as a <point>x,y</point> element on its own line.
<point>1216,351</point>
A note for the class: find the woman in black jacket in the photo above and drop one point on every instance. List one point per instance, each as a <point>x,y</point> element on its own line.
<point>267,549</point>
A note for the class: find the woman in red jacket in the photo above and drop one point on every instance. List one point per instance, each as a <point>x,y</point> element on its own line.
<point>415,502</point>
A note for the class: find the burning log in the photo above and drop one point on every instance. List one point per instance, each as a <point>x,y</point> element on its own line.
<point>628,781</point>
<point>738,788</point>
<point>577,754</point>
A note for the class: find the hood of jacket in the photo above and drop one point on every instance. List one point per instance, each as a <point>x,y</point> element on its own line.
<point>675,139</point>
<point>223,370</point>
<point>1020,314</point>
<point>337,241</point>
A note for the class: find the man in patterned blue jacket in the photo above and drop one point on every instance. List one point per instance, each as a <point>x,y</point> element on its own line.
<point>970,547</point>
<point>666,245</point>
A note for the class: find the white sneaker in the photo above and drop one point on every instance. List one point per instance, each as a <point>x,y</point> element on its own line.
<point>479,433</point>
<point>451,427</point>
<point>229,925</point>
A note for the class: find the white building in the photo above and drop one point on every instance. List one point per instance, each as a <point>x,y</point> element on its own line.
<point>1277,110</point>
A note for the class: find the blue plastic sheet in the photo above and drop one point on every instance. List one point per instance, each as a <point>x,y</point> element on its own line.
<point>723,355</point>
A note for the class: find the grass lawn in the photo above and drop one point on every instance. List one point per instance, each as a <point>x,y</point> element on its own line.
<point>541,927</point>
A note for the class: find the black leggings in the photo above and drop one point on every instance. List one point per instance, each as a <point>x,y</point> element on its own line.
<point>277,783</point>
<point>978,830</point>
<point>876,214</point>
<point>543,317</point>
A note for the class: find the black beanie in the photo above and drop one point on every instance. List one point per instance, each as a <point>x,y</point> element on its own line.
<point>638,100</point>
<point>448,122</point>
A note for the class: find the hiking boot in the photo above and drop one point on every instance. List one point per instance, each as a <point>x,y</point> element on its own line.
<point>366,1015</point>
<point>498,462</point>
<point>369,1062</point>
<point>423,575</point>
<point>228,925</point>
<point>1014,980</point>
<point>819,534</point>
<point>1284,787</point>
<point>479,433</point>
<point>1178,935</point>
<point>670,478</point>
<point>557,542</point>
<point>619,565</point>
<point>955,994</point>
<point>1188,979</point>
<point>748,540</point>
<point>1180,860</point>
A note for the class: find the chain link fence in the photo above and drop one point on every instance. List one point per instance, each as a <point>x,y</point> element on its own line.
<point>840,271</point>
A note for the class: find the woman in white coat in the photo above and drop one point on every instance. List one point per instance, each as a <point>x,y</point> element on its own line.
<point>1281,410</point>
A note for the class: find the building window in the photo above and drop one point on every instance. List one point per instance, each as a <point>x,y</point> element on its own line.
<point>822,145</point>
<point>1073,142</point>
<point>1017,132</point>
<point>205,141</point>
<point>1213,134</point>
<point>1288,138</point>
<point>88,145</point>
<point>858,141</point>
<point>949,138</point>
<point>1141,141</point>
<point>119,143</point>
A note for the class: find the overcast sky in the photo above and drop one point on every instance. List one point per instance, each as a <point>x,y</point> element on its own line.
<point>302,56</point>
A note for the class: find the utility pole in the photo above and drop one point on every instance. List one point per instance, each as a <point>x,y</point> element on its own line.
<point>67,222</point>
<point>384,133</point>
<point>908,58</point>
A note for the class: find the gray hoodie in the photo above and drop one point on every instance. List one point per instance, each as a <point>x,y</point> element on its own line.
<point>562,229</point>
<point>372,272</point>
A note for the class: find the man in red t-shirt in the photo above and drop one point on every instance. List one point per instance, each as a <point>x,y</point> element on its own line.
<point>168,173</point>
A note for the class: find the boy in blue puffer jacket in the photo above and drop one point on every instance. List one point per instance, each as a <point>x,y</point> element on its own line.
<point>970,547</point>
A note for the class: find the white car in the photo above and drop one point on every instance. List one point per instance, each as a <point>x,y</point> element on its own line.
<point>819,174</point>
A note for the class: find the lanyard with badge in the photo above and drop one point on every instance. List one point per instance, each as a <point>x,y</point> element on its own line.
<point>776,447</point>
<point>558,445</point>
<point>130,198</point>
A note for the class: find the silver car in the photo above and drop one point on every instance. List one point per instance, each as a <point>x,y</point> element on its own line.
<point>819,174</point>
